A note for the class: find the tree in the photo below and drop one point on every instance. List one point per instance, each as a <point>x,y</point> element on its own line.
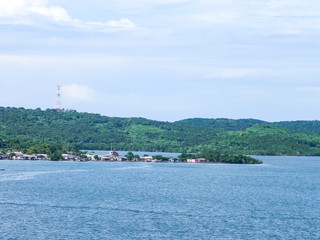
<point>129,155</point>
<point>11,155</point>
<point>56,156</point>
<point>160,157</point>
<point>32,150</point>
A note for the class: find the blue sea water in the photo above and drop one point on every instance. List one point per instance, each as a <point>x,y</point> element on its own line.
<point>109,200</point>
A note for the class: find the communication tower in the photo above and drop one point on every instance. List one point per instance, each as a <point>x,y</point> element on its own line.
<point>58,99</point>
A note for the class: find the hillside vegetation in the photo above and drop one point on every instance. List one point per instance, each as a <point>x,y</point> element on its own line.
<point>24,129</point>
<point>265,140</point>
<point>224,124</point>
<point>221,124</point>
<point>21,128</point>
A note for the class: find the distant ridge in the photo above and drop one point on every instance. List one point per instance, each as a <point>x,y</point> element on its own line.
<point>225,124</point>
<point>221,124</point>
<point>23,128</point>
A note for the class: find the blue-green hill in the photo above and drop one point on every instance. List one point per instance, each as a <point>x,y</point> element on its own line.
<point>25,128</point>
<point>224,124</point>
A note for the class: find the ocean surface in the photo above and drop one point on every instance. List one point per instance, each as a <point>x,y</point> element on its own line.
<point>109,200</point>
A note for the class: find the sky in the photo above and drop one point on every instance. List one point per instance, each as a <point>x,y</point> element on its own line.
<point>163,59</point>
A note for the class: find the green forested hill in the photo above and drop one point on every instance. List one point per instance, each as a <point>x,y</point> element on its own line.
<point>23,128</point>
<point>221,124</point>
<point>265,140</point>
<point>224,124</point>
<point>304,126</point>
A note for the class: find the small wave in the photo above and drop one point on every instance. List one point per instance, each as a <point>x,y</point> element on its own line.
<point>136,167</point>
<point>107,208</point>
<point>30,175</point>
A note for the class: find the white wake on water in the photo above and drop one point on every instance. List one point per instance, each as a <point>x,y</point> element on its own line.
<point>144,166</point>
<point>21,176</point>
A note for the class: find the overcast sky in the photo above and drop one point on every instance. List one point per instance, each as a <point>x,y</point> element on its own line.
<point>163,59</point>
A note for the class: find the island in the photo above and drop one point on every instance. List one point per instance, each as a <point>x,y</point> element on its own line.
<point>52,133</point>
<point>113,156</point>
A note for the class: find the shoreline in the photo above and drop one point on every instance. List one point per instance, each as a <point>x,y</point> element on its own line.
<point>158,162</point>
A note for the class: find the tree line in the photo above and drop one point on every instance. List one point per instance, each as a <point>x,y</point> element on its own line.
<point>29,129</point>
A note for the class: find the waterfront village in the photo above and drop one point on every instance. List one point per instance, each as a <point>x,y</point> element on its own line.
<point>113,156</point>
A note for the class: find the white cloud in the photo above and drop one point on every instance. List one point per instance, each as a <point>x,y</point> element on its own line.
<point>78,93</point>
<point>57,14</point>
<point>125,4</point>
<point>14,8</point>
<point>309,89</point>
<point>123,22</point>
<point>284,17</point>
<point>232,73</point>
<point>215,17</point>
<point>24,11</point>
<point>158,1</point>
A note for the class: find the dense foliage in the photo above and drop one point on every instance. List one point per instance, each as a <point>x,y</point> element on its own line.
<point>224,124</point>
<point>304,126</point>
<point>23,128</point>
<point>216,157</point>
<point>33,129</point>
<point>221,124</point>
<point>264,140</point>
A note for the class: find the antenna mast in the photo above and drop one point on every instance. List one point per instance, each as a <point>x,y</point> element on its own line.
<point>58,99</point>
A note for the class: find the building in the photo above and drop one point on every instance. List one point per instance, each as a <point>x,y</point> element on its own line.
<point>70,157</point>
<point>146,159</point>
<point>197,160</point>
